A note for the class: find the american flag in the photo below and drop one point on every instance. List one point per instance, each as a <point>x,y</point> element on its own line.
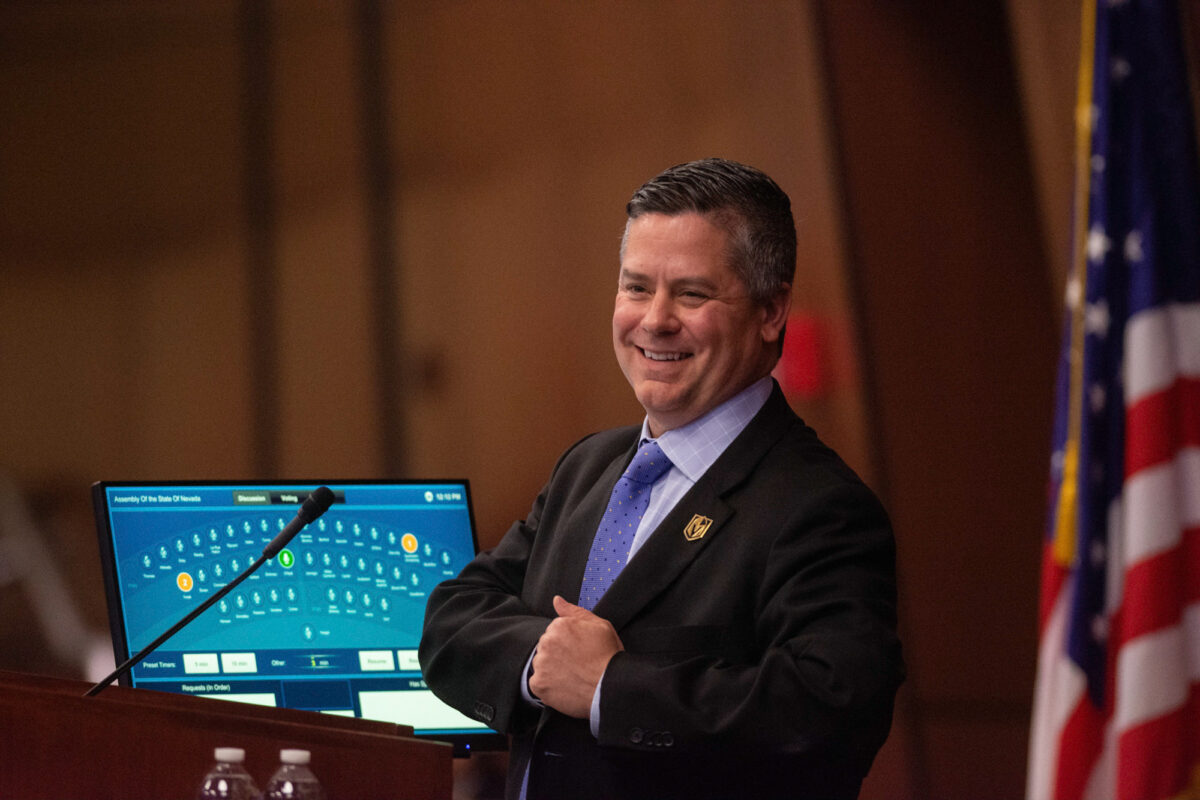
<point>1117,702</point>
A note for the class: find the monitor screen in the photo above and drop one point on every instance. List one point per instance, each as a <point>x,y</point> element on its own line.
<point>331,624</point>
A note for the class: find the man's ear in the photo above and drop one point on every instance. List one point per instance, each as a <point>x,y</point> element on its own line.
<point>775,313</point>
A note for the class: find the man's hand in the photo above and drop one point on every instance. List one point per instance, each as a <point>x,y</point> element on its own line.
<point>571,657</point>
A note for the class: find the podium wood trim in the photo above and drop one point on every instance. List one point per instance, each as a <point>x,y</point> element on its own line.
<point>137,744</point>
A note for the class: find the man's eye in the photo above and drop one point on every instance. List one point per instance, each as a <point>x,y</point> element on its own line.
<point>691,296</point>
<point>635,288</point>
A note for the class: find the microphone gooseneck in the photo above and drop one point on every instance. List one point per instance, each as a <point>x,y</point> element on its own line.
<point>316,504</point>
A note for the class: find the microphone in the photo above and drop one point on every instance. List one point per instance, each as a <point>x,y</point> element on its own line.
<point>313,506</point>
<point>316,504</point>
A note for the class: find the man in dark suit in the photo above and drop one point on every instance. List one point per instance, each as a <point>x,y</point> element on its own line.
<point>748,649</point>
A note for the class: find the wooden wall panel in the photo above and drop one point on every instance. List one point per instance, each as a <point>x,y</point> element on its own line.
<point>123,313</point>
<point>1045,39</point>
<point>329,405</point>
<point>960,346</point>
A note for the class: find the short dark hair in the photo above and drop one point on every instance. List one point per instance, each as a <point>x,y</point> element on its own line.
<point>741,200</point>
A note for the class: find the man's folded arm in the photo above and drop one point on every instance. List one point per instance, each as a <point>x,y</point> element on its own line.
<point>479,634</point>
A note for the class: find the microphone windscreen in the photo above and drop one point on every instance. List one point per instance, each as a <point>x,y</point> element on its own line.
<point>317,504</point>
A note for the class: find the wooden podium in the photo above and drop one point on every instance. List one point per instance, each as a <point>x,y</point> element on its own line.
<point>136,744</point>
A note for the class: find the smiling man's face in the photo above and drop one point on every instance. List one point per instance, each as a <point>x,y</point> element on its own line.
<point>686,333</point>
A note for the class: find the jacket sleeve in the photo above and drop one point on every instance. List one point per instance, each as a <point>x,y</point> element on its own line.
<point>478,633</point>
<point>480,627</point>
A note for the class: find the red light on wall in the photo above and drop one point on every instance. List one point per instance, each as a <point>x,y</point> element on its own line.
<point>802,369</point>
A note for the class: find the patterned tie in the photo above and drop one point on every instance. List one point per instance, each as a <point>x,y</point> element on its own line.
<point>614,537</point>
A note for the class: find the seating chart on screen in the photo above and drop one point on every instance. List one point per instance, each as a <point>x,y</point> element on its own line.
<point>332,623</point>
<point>352,578</point>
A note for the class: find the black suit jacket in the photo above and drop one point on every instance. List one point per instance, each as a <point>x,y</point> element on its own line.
<point>761,659</point>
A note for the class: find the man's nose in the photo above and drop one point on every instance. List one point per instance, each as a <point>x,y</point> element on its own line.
<point>660,317</point>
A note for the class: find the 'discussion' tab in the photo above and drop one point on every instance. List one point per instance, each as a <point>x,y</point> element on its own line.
<point>248,498</point>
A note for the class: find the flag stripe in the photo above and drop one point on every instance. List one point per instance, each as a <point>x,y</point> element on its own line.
<point>1156,587</point>
<point>1160,654</point>
<point>1146,765</point>
<point>1081,745</point>
<point>1059,688</point>
<point>1157,755</point>
<point>1160,424</point>
<point>1158,506</point>
<point>1151,367</point>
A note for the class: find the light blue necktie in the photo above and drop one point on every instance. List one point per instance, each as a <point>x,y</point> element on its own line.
<point>614,537</point>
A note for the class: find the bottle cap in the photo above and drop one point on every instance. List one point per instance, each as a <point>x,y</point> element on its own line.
<point>294,756</point>
<point>230,755</point>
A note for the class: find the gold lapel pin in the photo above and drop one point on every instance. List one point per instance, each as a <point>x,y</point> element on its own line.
<point>696,528</point>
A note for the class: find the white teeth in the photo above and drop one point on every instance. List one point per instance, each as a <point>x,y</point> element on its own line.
<point>664,356</point>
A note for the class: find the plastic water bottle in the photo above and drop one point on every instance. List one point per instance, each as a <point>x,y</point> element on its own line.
<point>294,780</point>
<point>228,779</point>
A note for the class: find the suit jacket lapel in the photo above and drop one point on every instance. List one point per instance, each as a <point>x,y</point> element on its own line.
<point>667,552</point>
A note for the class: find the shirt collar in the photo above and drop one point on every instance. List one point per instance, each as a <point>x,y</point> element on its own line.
<point>694,447</point>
